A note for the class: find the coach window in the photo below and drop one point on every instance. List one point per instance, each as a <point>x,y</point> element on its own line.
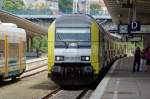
<point>1,51</point>
<point>14,52</point>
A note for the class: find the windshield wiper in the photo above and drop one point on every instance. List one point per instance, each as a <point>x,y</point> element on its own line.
<point>61,39</point>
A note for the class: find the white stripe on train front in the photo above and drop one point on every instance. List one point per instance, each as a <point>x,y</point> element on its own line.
<point>72,54</point>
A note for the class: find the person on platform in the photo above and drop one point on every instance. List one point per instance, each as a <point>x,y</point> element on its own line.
<point>137,59</point>
<point>143,60</point>
<point>148,58</point>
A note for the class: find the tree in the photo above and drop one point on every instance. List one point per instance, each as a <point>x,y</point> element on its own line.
<point>41,6</point>
<point>40,43</point>
<point>95,7</point>
<point>65,5</point>
<point>30,6</point>
<point>12,4</point>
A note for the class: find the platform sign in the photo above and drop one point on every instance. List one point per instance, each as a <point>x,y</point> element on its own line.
<point>135,26</point>
<point>123,29</point>
<point>134,39</point>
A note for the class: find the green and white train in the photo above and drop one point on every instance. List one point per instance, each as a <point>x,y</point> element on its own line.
<point>12,51</point>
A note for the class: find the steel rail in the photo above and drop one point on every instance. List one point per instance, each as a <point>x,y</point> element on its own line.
<point>51,93</point>
<point>82,94</point>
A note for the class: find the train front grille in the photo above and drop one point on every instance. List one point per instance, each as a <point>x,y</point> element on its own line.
<point>72,73</point>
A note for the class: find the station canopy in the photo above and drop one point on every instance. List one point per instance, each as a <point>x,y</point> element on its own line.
<point>31,28</point>
<point>124,11</point>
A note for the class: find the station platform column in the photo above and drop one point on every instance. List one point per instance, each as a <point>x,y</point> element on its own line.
<point>29,43</point>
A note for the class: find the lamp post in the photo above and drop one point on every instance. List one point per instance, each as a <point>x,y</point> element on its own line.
<point>88,6</point>
<point>75,6</point>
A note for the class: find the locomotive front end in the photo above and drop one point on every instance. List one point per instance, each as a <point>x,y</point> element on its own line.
<point>71,51</point>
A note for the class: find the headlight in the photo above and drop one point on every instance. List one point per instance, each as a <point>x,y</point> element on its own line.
<point>59,58</point>
<point>85,58</point>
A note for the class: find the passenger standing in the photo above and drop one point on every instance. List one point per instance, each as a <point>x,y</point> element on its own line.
<point>143,61</point>
<point>148,59</point>
<point>137,59</point>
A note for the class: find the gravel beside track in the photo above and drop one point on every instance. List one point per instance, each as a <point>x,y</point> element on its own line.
<point>33,87</point>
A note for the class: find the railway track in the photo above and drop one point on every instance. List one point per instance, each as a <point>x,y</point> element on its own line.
<point>33,71</point>
<point>51,93</point>
<point>34,67</point>
<point>43,67</point>
<point>26,74</point>
<point>82,94</point>
<point>65,93</point>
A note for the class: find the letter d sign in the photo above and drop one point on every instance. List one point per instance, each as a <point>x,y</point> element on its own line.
<point>135,26</point>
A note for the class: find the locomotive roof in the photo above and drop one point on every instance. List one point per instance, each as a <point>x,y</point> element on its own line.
<point>80,20</point>
<point>74,20</point>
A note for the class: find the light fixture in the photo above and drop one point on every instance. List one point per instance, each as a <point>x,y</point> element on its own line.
<point>59,58</point>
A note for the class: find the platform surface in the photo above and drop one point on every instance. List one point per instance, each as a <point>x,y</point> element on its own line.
<point>122,83</point>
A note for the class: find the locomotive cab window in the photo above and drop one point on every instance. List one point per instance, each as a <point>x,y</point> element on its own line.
<point>73,37</point>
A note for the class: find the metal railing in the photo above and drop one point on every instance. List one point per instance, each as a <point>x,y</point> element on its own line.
<point>46,13</point>
<point>30,11</point>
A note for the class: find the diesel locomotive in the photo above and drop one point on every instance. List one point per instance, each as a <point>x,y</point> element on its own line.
<point>79,48</point>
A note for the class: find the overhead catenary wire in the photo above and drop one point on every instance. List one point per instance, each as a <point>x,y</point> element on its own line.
<point>134,10</point>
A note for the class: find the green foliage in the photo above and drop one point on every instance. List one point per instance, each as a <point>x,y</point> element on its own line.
<point>65,5</point>
<point>30,6</point>
<point>140,44</point>
<point>41,6</point>
<point>132,46</point>
<point>37,6</point>
<point>95,7</point>
<point>40,43</point>
<point>12,4</point>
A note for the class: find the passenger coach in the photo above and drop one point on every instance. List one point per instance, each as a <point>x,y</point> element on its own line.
<point>12,51</point>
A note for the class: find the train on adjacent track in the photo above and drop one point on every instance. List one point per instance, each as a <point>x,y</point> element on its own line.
<point>79,49</point>
<point>12,51</point>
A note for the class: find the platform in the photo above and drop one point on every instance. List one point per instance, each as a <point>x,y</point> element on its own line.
<point>122,83</point>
